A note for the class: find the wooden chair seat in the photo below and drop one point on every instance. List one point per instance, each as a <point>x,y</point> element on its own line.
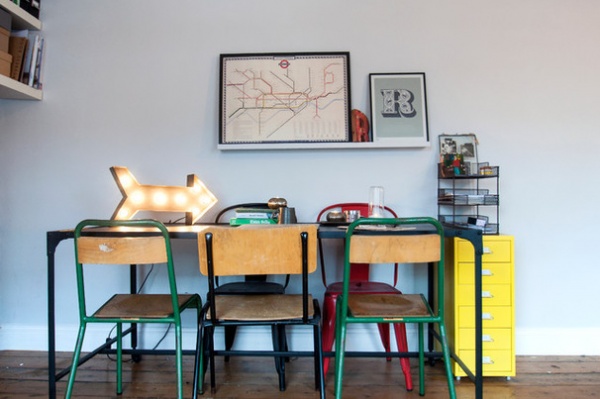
<point>261,307</point>
<point>135,306</point>
<point>388,306</point>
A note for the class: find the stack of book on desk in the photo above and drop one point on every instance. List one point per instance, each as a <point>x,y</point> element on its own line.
<point>253,216</point>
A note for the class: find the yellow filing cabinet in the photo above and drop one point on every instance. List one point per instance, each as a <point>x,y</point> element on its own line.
<point>498,297</point>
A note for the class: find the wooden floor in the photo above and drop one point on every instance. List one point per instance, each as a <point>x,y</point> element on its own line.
<point>24,375</point>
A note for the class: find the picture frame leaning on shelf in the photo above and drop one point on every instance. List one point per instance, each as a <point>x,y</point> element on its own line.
<point>458,154</point>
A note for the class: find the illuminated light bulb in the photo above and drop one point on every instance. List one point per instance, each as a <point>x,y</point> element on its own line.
<point>137,197</point>
<point>181,199</point>
<point>123,213</point>
<point>127,181</point>
<point>160,198</point>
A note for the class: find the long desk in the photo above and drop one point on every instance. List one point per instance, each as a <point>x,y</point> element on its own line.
<point>54,238</point>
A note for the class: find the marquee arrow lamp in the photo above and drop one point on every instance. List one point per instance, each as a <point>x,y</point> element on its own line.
<point>195,199</point>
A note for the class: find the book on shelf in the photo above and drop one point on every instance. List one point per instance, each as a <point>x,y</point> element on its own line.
<point>33,59</point>
<point>240,221</point>
<point>36,82</point>
<point>17,48</point>
<point>254,213</point>
<point>29,74</point>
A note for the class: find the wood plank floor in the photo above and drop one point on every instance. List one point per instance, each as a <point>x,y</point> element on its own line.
<point>23,374</point>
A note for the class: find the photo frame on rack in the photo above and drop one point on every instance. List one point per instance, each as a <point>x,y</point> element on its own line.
<point>399,109</point>
<point>458,154</point>
<point>284,98</point>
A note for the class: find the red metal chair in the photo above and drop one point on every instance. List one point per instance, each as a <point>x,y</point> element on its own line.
<point>360,284</point>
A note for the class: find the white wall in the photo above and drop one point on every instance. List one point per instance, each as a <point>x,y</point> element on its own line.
<point>136,84</point>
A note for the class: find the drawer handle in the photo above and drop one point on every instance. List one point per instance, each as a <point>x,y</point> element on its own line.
<point>486,272</point>
<point>486,360</point>
<point>486,294</point>
<point>487,338</point>
<point>487,316</point>
<point>487,250</point>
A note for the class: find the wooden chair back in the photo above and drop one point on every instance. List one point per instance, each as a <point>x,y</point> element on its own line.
<point>420,248</point>
<point>121,250</point>
<point>256,250</point>
<point>360,270</point>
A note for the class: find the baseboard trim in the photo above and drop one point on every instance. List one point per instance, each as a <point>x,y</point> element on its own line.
<point>558,341</point>
<point>529,341</point>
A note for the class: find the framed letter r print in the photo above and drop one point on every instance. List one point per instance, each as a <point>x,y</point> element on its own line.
<point>399,109</point>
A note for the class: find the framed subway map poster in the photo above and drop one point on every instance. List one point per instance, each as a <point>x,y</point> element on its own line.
<point>399,109</point>
<point>284,98</point>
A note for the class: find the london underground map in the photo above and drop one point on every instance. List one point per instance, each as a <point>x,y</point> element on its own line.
<point>276,98</point>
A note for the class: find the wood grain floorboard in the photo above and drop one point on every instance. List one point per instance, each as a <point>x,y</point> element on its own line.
<point>23,374</point>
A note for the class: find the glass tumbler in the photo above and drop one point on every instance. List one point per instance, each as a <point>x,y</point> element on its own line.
<point>376,204</point>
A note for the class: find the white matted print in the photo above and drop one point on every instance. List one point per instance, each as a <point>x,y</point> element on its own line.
<point>399,109</point>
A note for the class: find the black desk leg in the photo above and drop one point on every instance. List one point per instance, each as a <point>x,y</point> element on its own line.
<point>478,323</point>
<point>52,242</point>
<point>133,289</point>
<point>431,299</point>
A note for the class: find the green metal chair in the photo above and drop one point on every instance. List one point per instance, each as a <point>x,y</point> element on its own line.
<point>402,241</point>
<point>134,242</point>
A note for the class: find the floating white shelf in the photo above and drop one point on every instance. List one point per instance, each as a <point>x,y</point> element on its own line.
<point>10,88</point>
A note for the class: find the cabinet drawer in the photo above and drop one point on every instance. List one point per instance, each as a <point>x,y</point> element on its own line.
<point>491,295</point>
<point>491,273</point>
<point>495,249</point>
<point>492,317</point>
<point>493,338</point>
<point>495,362</point>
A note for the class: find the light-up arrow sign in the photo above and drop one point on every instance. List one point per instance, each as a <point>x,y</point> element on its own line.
<point>195,199</point>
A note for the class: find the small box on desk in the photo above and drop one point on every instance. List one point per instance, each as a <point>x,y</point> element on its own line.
<point>5,61</point>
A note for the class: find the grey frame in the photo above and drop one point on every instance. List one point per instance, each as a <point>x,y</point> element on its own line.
<point>399,109</point>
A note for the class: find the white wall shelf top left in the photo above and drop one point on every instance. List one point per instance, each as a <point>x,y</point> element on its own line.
<point>10,88</point>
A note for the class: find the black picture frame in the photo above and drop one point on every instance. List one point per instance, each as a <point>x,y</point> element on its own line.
<point>284,98</point>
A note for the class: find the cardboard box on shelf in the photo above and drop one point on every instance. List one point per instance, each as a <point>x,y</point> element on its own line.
<point>4,39</point>
<point>5,61</point>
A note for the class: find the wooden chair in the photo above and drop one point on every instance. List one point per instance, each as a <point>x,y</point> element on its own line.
<point>251,284</point>
<point>139,242</point>
<point>360,283</point>
<point>258,250</point>
<point>368,242</point>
